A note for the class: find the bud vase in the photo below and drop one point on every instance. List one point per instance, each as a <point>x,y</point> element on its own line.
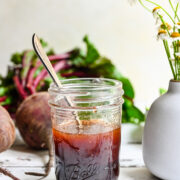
<point>161,139</point>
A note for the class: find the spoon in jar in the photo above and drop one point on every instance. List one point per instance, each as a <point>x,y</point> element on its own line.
<point>47,64</point>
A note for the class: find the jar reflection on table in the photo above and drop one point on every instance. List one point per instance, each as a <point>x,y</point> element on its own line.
<point>87,135</point>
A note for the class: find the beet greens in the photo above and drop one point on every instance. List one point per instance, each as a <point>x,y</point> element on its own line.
<point>26,76</point>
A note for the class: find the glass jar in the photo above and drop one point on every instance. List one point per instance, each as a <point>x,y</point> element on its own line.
<point>86,118</point>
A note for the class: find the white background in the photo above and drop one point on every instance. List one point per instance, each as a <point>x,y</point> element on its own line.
<point>124,33</point>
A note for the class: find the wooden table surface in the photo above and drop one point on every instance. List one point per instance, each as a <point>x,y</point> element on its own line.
<point>20,159</point>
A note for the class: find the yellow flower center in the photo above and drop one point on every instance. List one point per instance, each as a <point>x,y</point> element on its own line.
<point>166,26</point>
<point>155,9</point>
<point>161,31</point>
<point>175,34</point>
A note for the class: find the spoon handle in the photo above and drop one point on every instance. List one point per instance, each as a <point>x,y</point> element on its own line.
<point>47,64</point>
<point>44,59</point>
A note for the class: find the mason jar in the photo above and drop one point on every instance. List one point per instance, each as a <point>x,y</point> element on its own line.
<point>86,122</point>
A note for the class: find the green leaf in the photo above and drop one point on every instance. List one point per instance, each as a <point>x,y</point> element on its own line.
<point>104,68</point>
<point>43,43</point>
<point>27,61</point>
<point>92,53</point>
<point>79,62</point>
<point>77,58</point>
<point>16,58</point>
<point>131,114</point>
<point>50,52</point>
<point>4,90</point>
<point>38,70</point>
<point>8,101</point>
<point>162,91</point>
<point>8,79</point>
<point>48,81</point>
<point>127,87</point>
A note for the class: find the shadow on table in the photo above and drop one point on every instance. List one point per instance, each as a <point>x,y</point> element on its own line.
<point>138,174</point>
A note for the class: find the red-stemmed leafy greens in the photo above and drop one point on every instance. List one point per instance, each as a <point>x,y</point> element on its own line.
<point>26,76</point>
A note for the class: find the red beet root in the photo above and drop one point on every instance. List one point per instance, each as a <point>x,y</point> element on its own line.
<point>7,130</point>
<point>7,136</point>
<point>33,120</point>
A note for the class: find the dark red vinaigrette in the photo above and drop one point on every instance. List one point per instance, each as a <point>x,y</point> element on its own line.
<point>90,155</point>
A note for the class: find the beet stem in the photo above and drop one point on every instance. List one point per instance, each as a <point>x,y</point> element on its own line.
<point>3,98</point>
<point>41,76</point>
<point>59,57</point>
<point>57,67</point>
<point>19,87</point>
<point>23,66</point>
<point>61,65</point>
<point>49,165</point>
<point>30,79</point>
<point>77,73</point>
<point>34,174</point>
<point>32,70</point>
<point>7,173</point>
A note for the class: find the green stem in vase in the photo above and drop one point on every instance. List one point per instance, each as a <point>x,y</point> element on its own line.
<point>165,26</point>
<point>166,46</point>
<point>175,59</point>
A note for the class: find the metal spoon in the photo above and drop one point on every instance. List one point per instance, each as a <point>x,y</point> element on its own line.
<point>44,59</point>
<point>47,64</point>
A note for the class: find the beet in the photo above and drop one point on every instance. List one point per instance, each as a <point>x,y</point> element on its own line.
<point>7,136</point>
<point>33,120</point>
<point>7,130</point>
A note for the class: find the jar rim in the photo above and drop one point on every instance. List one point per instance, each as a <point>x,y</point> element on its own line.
<point>117,84</point>
<point>101,85</point>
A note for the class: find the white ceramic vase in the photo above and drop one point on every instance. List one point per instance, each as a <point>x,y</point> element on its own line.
<point>161,139</point>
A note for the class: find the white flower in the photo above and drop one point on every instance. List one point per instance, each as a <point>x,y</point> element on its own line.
<point>156,12</point>
<point>175,36</point>
<point>162,34</point>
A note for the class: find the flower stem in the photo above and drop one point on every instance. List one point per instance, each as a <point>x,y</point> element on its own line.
<point>162,9</point>
<point>175,10</point>
<point>166,46</point>
<point>163,22</point>
<point>142,4</point>
<point>177,7</point>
